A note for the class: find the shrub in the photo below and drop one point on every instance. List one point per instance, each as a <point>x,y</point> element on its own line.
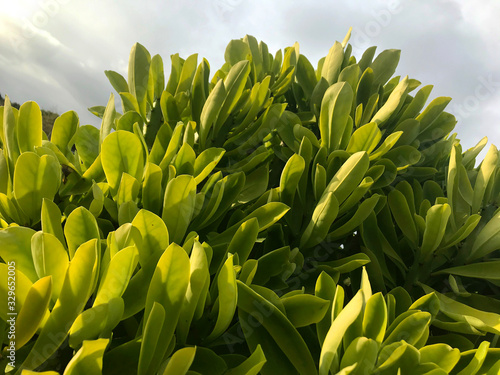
<point>276,218</point>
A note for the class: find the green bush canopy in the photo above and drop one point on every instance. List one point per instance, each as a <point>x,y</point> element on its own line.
<point>276,218</point>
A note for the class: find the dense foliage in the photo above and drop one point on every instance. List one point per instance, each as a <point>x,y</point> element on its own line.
<point>276,218</point>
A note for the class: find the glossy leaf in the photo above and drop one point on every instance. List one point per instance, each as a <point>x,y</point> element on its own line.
<point>35,178</point>
<point>323,216</point>
<point>335,109</point>
<point>178,206</point>
<point>33,311</point>
<point>435,226</point>
<point>29,127</point>
<point>304,309</point>
<point>50,259</point>
<point>122,152</point>
<point>252,365</point>
<point>75,291</point>
<point>81,226</point>
<point>168,287</point>
<point>278,327</point>
<point>481,270</point>
<point>180,361</point>
<point>88,360</point>
<point>228,297</point>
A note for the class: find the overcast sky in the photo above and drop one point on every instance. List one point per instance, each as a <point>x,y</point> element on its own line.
<point>55,51</point>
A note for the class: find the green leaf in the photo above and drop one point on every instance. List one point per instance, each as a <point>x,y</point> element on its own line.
<point>88,360</point>
<point>34,310</point>
<point>441,354</point>
<point>463,232</point>
<point>402,215</point>
<point>384,65</point>
<point>335,110</point>
<point>207,362</point>
<point>117,81</point>
<point>375,318</point>
<point>404,156</point>
<point>154,234</point>
<point>180,362</point>
<point>486,171</point>
<point>29,128</point>
<point>236,51</point>
<point>322,218</point>
<point>325,288</point>
<point>484,321</point>
<point>397,356</point>
<point>274,263</point>
<point>244,239</point>
<point>290,177</point>
<point>200,90</point>
<point>333,63</point>
<point>487,240</point>
<point>266,215</point>
<point>95,322</point>
<point>439,128</point>
<point>116,277</point>
<point>152,199</point>
<point>187,74</point>
<point>75,291</point>
<point>168,288</point>
<point>184,160</point>
<point>361,214</point>
<point>156,79</point>
<point>206,162</point>
<point>481,270</point>
<point>63,131</point>
<point>211,110</point>
<point>413,109</point>
<point>411,328</point>
<point>81,226</point>
<point>138,74</point>
<point>365,138</point>
<point>393,103</point>
<point>35,178</point>
<point>9,136</point>
<point>435,226</point>
<point>252,365</point>
<point>362,354</point>
<point>228,297</point>
<point>478,359</point>
<point>234,84</point>
<point>128,190</point>
<point>386,146</point>
<point>256,184</point>
<point>122,152</point>
<point>16,247</point>
<point>50,259</point>
<point>306,76</point>
<point>87,143</point>
<point>22,287</point>
<point>337,330</point>
<point>152,330</point>
<point>108,119</point>
<point>431,112</point>
<point>199,280</point>
<point>305,309</point>
<point>178,206</point>
<point>349,176</point>
<point>278,327</point>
